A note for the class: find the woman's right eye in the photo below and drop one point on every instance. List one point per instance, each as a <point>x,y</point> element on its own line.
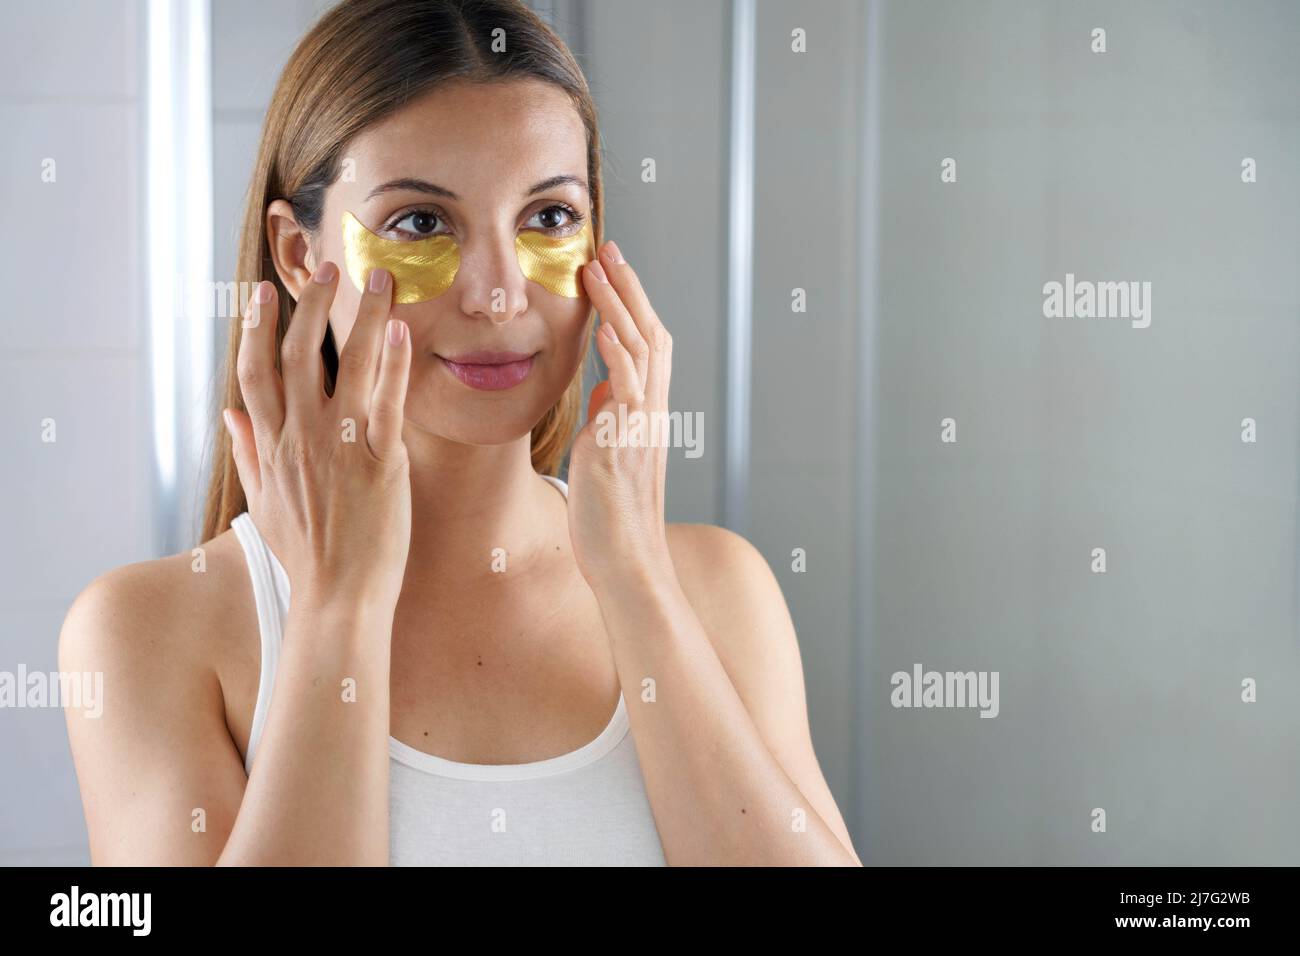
<point>417,225</point>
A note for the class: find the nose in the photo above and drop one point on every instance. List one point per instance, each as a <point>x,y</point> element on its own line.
<point>491,284</point>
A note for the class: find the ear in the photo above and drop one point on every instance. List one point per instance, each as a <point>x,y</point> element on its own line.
<point>290,251</point>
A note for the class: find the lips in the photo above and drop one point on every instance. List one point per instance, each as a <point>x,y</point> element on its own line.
<point>490,371</point>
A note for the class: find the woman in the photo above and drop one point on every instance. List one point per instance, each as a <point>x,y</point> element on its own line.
<point>439,689</point>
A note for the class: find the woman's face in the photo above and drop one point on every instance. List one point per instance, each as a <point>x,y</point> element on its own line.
<point>482,163</point>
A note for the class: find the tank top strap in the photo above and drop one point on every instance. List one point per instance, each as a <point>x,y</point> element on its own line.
<point>271,594</point>
<point>558,483</point>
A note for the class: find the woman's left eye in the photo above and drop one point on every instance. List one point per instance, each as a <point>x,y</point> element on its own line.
<point>556,218</point>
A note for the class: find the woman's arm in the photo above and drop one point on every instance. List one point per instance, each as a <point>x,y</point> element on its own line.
<point>162,781</point>
<point>336,512</point>
<point>318,790</point>
<point>724,744</point>
<point>160,777</point>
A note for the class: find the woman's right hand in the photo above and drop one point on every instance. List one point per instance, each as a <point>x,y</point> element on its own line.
<point>327,477</point>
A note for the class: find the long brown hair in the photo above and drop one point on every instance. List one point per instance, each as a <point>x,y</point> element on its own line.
<point>361,62</point>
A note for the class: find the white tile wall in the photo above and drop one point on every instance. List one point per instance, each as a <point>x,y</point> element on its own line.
<point>81,504</point>
<point>72,348</point>
<point>41,822</point>
<point>73,51</point>
<point>72,272</point>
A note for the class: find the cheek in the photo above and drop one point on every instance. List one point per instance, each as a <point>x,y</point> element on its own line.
<point>343,310</point>
<point>571,331</point>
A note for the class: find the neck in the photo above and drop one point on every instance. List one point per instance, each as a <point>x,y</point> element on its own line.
<point>467,500</point>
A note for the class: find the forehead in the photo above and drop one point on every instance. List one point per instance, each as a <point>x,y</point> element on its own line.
<point>470,137</point>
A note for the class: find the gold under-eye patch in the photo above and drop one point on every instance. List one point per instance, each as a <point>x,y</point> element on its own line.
<point>554,263</point>
<point>424,269</point>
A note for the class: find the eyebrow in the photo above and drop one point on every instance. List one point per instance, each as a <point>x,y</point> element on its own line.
<point>410,184</point>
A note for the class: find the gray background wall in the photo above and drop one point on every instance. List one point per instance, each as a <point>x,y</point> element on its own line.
<point>1119,690</point>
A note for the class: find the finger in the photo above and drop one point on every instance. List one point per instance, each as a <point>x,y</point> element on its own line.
<point>359,359</point>
<point>388,404</point>
<point>300,359</point>
<point>628,285</point>
<point>259,382</point>
<point>611,308</point>
<point>660,373</point>
<point>624,382</point>
<point>244,451</point>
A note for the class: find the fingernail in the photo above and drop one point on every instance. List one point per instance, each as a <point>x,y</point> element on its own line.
<point>607,330</point>
<point>263,295</point>
<point>225,418</point>
<point>396,331</point>
<point>326,273</point>
<point>597,271</point>
<point>378,280</point>
<point>612,255</point>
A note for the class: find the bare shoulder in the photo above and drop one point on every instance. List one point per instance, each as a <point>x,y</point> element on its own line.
<point>734,592</point>
<point>699,544</point>
<point>726,575</point>
<point>155,636</point>
<point>739,603</point>
<point>162,612</point>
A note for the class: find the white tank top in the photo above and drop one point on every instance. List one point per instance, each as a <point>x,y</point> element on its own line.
<point>584,808</point>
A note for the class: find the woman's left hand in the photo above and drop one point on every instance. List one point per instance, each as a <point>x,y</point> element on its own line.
<point>616,472</point>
